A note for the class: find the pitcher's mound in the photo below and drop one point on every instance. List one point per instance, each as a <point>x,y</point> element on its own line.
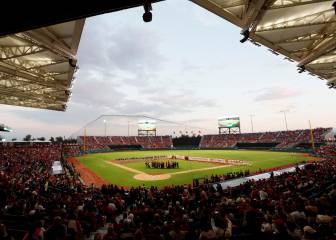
<point>148,177</point>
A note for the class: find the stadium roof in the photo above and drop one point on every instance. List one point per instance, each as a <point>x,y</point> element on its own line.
<point>61,11</point>
<point>37,66</point>
<point>302,30</point>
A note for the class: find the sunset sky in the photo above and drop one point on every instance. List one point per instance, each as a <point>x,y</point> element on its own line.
<point>187,65</point>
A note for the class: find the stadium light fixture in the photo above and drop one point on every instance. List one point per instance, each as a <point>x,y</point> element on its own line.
<point>285,117</point>
<point>289,59</point>
<point>73,62</point>
<point>301,69</point>
<point>331,84</point>
<point>147,16</point>
<point>105,127</point>
<point>246,34</point>
<point>255,43</point>
<point>274,52</point>
<point>251,118</point>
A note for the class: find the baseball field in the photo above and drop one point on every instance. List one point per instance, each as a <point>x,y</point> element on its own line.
<point>128,168</point>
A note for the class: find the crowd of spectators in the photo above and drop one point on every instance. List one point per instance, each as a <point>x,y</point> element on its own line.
<point>327,151</point>
<point>297,205</point>
<point>72,150</point>
<point>216,178</point>
<point>281,139</point>
<point>146,142</point>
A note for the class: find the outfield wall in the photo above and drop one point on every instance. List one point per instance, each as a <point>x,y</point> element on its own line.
<point>212,160</point>
<point>238,181</point>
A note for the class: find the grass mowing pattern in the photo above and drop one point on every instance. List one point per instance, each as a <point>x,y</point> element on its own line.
<point>258,159</point>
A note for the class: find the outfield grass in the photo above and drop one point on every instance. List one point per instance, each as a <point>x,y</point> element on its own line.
<point>115,175</point>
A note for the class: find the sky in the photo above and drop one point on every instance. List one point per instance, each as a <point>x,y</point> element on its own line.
<point>187,65</point>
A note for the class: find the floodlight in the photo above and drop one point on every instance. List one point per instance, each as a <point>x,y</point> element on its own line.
<point>301,69</point>
<point>147,16</point>
<point>72,62</point>
<point>246,34</point>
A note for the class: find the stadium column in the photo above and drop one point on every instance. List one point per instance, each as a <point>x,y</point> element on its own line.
<point>84,139</point>
<point>251,117</point>
<point>105,122</point>
<point>285,117</point>
<point>312,136</point>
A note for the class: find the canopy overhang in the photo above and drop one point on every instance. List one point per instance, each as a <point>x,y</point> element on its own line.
<point>38,54</point>
<point>301,30</point>
<point>37,67</point>
<point>56,12</point>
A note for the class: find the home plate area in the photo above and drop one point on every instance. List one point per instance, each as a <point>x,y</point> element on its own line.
<point>166,160</point>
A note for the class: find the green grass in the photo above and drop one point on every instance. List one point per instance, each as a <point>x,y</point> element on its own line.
<point>183,165</point>
<point>115,175</point>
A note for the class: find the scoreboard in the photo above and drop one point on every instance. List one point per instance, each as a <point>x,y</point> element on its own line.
<point>146,125</point>
<point>232,121</point>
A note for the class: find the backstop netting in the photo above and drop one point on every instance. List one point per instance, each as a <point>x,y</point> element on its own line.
<point>135,125</point>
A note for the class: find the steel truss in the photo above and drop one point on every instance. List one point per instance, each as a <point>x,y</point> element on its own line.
<point>302,30</point>
<point>37,67</point>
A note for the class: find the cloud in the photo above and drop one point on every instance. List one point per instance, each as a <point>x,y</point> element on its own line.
<point>276,93</point>
<point>130,51</point>
<point>203,16</point>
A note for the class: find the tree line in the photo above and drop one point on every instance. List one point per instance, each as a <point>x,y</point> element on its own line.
<point>59,139</point>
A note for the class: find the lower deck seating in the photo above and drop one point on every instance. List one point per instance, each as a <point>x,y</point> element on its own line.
<point>38,205</point>
<point>146,142</point>
<point>283,139</point>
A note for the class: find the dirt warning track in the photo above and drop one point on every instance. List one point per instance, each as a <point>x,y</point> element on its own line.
<point>88,176</point>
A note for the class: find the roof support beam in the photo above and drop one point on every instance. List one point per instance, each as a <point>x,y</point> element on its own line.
<point>51,44</point>
<point>302,38</point>
<point>48,65</point>
<point>332,79</point>
<point>254,13</point>
<point>308,20</point>
<point>322,49</point>
<point>31,78</point>
<point>36,104</point>
<point>34,79</point>
<point>9,92</point>
<point>297,3</point>
<point>18,51</point>
<point>326,31</point>
<point>293,26</point>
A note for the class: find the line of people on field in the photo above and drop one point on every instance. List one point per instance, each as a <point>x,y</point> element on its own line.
<point>162,164</point>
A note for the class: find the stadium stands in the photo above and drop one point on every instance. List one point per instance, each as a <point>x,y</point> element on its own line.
<point>38,205</point>
<point>145,142</point>
<point>30,152</point>
<point>72,150</point>
<point>281,139</point>
<point>186,142</point>
<point>328,151</point>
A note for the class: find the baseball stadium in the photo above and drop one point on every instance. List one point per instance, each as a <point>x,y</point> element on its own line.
<point>165,156</point>
<point>143,154</point>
